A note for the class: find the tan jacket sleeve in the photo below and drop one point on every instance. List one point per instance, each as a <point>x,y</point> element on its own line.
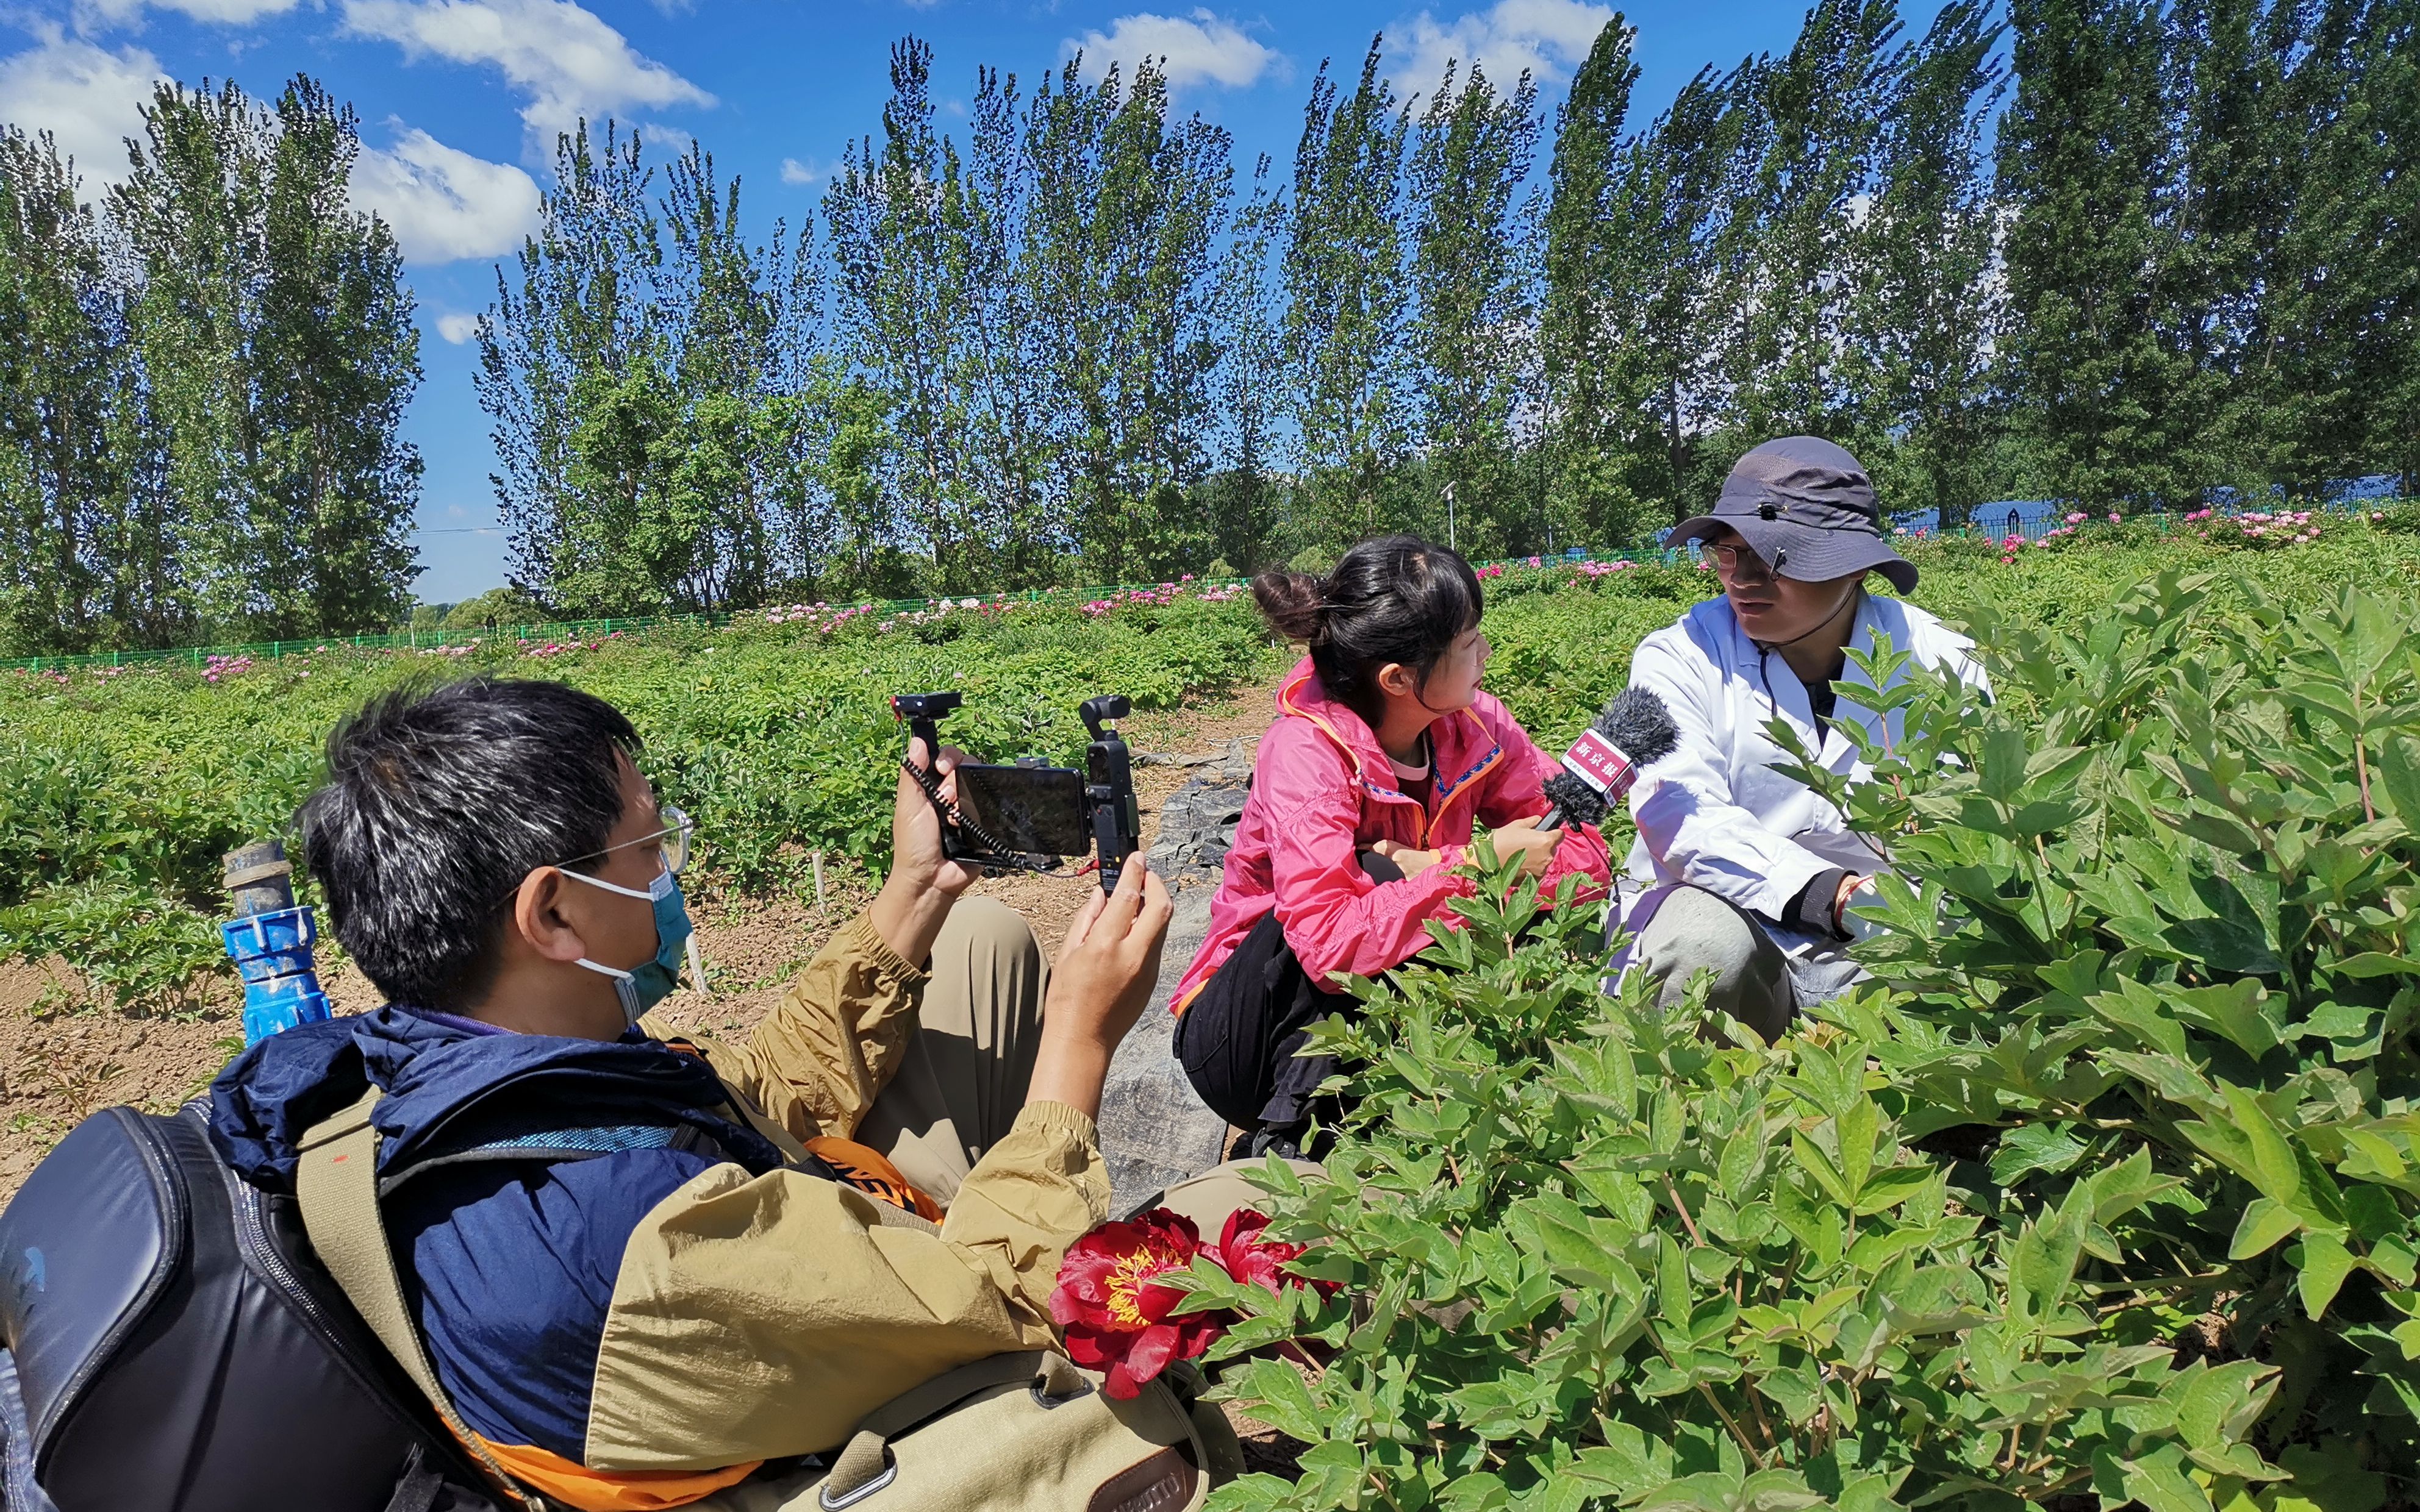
<point>758,1317</point>
<point>818,1062</point>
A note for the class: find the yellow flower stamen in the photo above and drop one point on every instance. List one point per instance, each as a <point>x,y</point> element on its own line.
<point>1129,1277</point>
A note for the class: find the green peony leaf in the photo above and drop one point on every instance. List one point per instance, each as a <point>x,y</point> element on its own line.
<point>2321,1263</point>
<point>2265,1221</point>
<point>2034,1147</point>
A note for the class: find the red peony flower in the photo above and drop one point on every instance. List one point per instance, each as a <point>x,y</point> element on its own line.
<point>1253,1259</point>
<point>1111,1312</point>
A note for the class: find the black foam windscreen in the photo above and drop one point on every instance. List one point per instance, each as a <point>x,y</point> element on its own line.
<point>1639,726</point>
<point>1575,801</point>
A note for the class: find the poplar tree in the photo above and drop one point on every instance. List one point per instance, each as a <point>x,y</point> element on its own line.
<point>2097,378</point>
<point>1240,497</point>
<point>1472,336</point>
<point>1126,207</point>
<point>569,376</point>
<point>2233,191</point>
<point>334,363</point>
<point>654,381</point>
<point>1586,347</point>
<point>737,322</point>
<point>1002,360</point>
<point>1346,308</point>
<point>2338,368</point>
<point>74,557</point>
<point>1678,186</point>
<point>2388,102</point>
<point>1927,309</point>
<point>900,320</point>
<point>278,351</point>
<point>1819,113</point>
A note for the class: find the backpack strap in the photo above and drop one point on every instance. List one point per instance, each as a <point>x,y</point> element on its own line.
<point>336,1184</point>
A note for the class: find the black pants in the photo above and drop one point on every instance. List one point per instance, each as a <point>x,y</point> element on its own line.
<point>1237,1039</point>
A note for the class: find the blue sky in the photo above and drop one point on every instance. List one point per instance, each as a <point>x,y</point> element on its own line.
<point>459,100</point>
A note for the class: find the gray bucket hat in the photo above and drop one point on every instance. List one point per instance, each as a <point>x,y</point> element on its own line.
<point>1807,508</point>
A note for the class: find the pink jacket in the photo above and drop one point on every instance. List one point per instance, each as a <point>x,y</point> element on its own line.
<point>1323,790</point>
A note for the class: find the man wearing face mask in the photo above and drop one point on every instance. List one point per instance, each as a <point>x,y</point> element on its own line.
<point>643,1266</point>
<point>1737,867</point>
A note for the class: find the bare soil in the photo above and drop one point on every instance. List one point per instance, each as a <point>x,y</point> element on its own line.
<point>63,1057</point>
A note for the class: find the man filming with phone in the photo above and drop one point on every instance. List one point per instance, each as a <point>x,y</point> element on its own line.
<point>643,1266</point>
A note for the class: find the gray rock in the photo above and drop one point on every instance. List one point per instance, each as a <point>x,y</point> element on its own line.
<point>1154,1130</point>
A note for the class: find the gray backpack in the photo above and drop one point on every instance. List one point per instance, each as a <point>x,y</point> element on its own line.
<point>169,1343</point>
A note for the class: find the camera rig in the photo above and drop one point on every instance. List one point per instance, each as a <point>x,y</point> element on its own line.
<point>1106,802</point>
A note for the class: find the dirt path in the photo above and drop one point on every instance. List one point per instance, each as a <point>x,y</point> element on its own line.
<point>61,1060</point>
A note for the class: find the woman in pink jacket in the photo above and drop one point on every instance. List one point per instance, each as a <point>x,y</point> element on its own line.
<point>1384,755</point>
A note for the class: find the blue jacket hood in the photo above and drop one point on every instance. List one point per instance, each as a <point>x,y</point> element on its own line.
<point>441,1082</point>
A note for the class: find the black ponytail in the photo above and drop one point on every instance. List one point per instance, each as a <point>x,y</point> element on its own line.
<point>1395,599</point>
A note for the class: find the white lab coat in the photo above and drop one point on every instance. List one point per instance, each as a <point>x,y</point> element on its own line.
<point>1714,813</point>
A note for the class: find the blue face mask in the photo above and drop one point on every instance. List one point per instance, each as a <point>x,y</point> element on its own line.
<point>643,989</point>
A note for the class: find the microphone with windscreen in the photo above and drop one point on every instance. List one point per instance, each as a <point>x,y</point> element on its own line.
<point>1633,731</point>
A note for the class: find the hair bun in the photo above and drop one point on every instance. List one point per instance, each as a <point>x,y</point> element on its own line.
<point>1293,603</point>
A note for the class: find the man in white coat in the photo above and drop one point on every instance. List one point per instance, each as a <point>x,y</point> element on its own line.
<point>1738,868</point>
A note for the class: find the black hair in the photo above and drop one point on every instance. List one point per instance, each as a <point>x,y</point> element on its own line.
<point>436,804</point>
<point>1391,598</point>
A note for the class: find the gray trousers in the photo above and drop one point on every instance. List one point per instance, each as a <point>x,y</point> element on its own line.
<point>1762,974</point>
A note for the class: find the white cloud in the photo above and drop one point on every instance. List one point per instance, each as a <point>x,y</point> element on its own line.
<point>809,172</point>
<point>1548,38</point>
<point>1204,48</point>
<point>224,12</point>
<point>90,98</point>
<point>457,329</point>
<point>568,62</point>
<point>444,204</point>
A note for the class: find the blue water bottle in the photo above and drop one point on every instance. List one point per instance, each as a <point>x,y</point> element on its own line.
<point>269,939</point>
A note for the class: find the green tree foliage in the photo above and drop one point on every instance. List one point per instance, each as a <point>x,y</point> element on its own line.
<point>2298,135</point>
<point>935,313</point>
<point>278,351</point>
<point>1348,308</point>
<point>1593,376</point>
<point>204,385</point>
<point>70,525</point>
<point>655,391</point>
<point>1926,308</point>
<point>1121,255</point>
<point>1472,338</point>
<point>1815,123</point>
<point>1041,314</point>
<point>1676,193</point>
<point>1240,501</point>
<point>1054,347</point>
<point>2105,388</point>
